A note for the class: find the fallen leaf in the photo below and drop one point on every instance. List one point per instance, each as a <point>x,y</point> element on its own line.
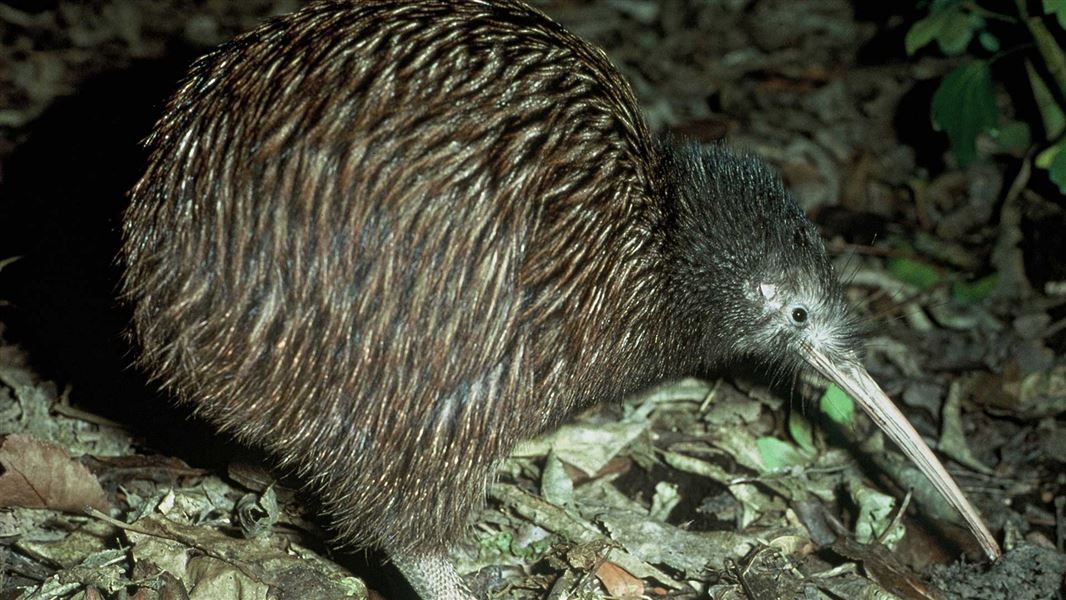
<point>619,583</point>
<point>38,474</point>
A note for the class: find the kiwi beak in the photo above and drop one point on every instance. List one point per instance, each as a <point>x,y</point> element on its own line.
<point>856,381</point>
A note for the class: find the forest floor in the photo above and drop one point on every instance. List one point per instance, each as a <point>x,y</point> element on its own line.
<point>724,487</point>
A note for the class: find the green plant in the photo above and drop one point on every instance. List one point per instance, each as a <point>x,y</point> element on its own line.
<point>964,105</point>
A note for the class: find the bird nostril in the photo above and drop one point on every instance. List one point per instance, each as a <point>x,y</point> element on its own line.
<point>799,314</point>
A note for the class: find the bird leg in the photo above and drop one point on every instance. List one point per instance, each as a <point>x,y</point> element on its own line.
<point>432,576</point>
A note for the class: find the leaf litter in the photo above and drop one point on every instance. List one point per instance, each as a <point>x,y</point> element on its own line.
<point>721,488</point>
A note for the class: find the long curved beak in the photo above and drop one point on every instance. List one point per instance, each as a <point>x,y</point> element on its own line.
<point>856,381</point>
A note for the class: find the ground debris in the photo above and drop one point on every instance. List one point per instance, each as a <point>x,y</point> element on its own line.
<point>1026,572</point>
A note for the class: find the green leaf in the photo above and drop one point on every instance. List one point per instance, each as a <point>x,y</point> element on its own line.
<point>800,430</point>
<point>875,514</point>
<point>1013,137</point>
<point>838,406</point>
<point>964,105</point>
<point>973,292</point>
<point>1053,158</point>
<point>777,454</point>
<point>949,25</point>
<point>1057,8</point>
<point>914,272</point>
<point>500,542</point>
<point>1050,52</point>
<point>922,33</point>
<point>1057,171</point>
<point>1047,156</point>
<point>957,32</point>
<point>988,41</point>
<point>1050,112</point>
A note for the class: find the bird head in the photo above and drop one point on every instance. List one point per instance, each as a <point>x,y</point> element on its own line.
<point>751,281</point>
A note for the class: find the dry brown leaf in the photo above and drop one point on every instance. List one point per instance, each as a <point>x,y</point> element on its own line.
<point>38,474</point>
<point>618,581</point>
<point>885,570</point>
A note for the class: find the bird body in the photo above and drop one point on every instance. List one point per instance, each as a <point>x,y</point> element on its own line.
<point>388,240</point>
<point>388,274</point>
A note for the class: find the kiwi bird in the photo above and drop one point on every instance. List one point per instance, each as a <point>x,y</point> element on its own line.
<point>387,240</point>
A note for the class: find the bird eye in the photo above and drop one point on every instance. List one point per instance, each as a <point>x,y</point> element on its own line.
<point>799,315</point>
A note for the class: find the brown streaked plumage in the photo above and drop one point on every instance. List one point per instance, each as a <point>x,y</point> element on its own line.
<point>374,237</point>
<point>387,240</point>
